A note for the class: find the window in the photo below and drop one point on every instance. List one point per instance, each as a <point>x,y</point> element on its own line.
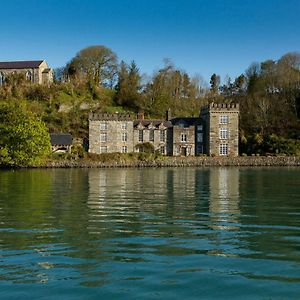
<point>103,149</point>
<point>162,149</point>
<point>199,127</point>
<point>162,135</point>
<point>151,135</point>
<point>224,133</point>
<point>124,126</point>
<point>124,149</point>
<point>103,126</point>
<point>224,119</point>
<point>103,137</point>
<point>183,137</point>
<point>124,137</point>
<point>2,78</point>
<point>199,137</point>
<point>223,150</point>
<point>29,76</point>
<point>141,135</point>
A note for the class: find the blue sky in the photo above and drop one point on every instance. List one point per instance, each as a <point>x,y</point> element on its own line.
<point>199,36</point>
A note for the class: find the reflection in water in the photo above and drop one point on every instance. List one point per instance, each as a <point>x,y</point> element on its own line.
<point>124,233</point>
<point>224,198</point>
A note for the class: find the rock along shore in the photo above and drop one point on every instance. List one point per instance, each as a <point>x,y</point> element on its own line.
<point>249,161</point>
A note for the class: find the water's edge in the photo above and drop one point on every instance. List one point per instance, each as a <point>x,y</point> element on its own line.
<point>253,161</point>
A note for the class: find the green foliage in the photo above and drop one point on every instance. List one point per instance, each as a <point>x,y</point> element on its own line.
<point>97,64</point>
<point>24,139</point>
<point>145,147</point>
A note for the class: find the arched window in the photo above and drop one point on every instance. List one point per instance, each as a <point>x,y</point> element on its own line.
<point>2,78</point>
<point>29,75</point>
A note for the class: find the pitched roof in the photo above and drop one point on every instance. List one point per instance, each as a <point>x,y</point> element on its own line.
<point>61,139</point>
<point>28,64</point>
<point>185,122</point>
<point>155,123</point>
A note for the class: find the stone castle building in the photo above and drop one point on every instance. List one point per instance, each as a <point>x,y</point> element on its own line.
<point>36,71</point>
<point>214,133</point>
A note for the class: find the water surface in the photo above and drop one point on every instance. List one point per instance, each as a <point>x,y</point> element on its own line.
<point>186,233</point>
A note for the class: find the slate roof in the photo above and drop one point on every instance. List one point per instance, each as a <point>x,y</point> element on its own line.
<point>155,123</point>
<point>28,64</point>
<point>61,139</point>
<point>185,122</point>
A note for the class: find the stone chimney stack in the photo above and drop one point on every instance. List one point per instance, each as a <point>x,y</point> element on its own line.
<point>168,115</point>
<point>140,115</point>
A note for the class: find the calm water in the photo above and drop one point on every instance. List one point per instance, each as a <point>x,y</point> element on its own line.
<point>218,233</point>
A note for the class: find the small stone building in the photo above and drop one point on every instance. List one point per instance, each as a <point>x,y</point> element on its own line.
<point>36,71</point>
<point>214,133</point>
<point>61,142</point>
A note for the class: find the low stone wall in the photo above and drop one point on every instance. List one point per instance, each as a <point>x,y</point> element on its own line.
<point>257,161</point>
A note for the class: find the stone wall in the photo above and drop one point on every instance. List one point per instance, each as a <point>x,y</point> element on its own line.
<point>272,161</point>
<point>183,148</point>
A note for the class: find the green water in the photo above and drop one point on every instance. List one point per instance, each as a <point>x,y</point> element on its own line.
<point>188,233</point>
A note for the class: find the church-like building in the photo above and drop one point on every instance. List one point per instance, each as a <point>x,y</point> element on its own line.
<point>35,71</point>
<point>215,133</point>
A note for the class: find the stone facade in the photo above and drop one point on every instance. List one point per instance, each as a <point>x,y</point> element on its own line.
<point>221,129</point>
<point>214,133</point>
<point>35,71</point>
<point>110,133</point>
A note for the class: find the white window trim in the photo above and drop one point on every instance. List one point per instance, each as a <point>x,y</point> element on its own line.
<point>224,133</point>
<point>223,149</point>
<point>224,119</point>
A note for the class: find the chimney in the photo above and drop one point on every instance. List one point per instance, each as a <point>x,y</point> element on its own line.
<point>168,115</point>
<point>140,115</point>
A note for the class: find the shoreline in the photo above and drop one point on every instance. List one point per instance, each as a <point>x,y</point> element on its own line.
<point>247,161</point>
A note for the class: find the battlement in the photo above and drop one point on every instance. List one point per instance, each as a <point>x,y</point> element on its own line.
<point>219,107</point>
<point>224,105</point>
<point>110,117</point>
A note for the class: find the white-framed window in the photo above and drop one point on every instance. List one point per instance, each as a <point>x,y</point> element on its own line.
<point>103,137</point>
<point>124,149</point>
<point>141,136</point>
<point>199,127</point>
<point>223,149</point>
<point>124,136</point>
<point>183,137</point>
<point>103,126</point>
<point>151,135</point>
<point>224,133</point>
<point>162,135</point>
<point>124,126</point>
<point>199,137</point>
<point>103,149</point>
<point>162,149</point>
<point>224,119</point>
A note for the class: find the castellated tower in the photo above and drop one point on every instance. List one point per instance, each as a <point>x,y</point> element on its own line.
<point>221,127</point>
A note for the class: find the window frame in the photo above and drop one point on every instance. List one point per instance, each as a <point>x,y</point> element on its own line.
<point>103,147</point>
<point>223,149</point>
<point>183,137</point>
<point>103,137</point>
<point>224,119</point>
<point>162,135</point>
<point>103,126</point>
<point>224,133</point>
<point>141,135</point>
<point>151,135</point>
<point>124,137</point>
